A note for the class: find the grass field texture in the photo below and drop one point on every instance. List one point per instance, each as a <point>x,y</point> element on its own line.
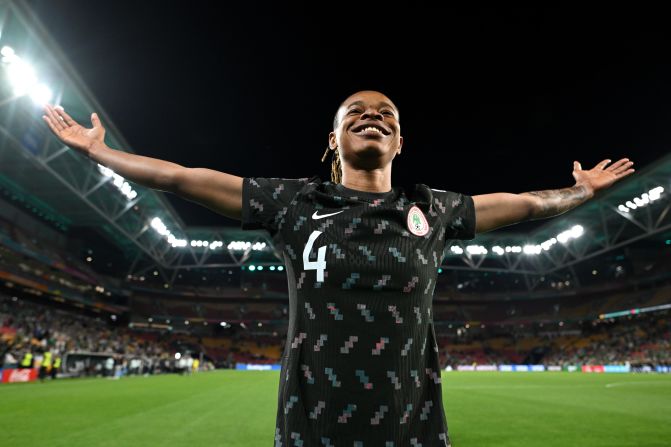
<point>237,408</point>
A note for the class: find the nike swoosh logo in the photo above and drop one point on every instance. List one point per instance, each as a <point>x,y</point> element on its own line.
<point>315,216</point>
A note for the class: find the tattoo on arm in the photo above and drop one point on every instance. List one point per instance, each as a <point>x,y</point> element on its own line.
<point>558,201</point>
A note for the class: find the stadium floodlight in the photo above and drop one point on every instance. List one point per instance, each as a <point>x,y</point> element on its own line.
<point>172,240</point>
<point>211,245</point>
<point>577,231</point>
<point>272,267</point>
<point>243,245</point>
<point>549,243</point>
<point>574,232</point>
<point>639,202</point>
<point>236,245</point>
<point>121,184</point>
<point>532,249</point>
<point>41,94</point>
<point>223,324</point>
<point>22,77</point>
<point>456,249</point>
<point>280,268</point>
<point>563,236</point>
<point>476,250</point>
<point>158,225</point>
<point>8,53</point>
<point>252,267</point>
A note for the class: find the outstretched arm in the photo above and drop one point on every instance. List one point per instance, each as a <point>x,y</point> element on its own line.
<point>501,209</point>
<point>218,191</point>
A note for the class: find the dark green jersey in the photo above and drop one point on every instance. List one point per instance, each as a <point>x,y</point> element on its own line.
<point>360,366</point>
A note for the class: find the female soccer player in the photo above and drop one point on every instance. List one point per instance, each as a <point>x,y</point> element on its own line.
<point>360,367</point>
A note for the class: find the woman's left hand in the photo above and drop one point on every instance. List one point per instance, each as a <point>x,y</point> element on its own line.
<point>602,177</point>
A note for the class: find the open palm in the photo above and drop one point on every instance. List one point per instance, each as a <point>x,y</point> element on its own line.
<point>600,176</point>
<point>72,133</point>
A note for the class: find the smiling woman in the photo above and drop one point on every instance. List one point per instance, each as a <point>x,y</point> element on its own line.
<point>360,365</point>
<point>379,127</point>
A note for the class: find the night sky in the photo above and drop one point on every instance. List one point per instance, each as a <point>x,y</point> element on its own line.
<point>490,100</point>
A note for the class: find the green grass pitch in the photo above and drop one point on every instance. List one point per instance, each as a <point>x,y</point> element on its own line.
<point>237,408</point>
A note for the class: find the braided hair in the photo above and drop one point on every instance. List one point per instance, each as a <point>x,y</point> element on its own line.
<point>336,168</point>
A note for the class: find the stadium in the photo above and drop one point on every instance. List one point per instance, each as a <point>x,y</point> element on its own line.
<point>122,324</point>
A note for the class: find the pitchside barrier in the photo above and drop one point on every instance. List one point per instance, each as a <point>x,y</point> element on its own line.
<point>513,368</point>
<point>14,375</point>
<point>257,367</point>
<point>567,368</point>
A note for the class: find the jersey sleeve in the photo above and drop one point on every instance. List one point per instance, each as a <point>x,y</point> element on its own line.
<point>265,201</point>
<point>457,212</point>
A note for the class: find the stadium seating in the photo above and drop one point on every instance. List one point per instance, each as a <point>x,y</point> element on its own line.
<point>469,329</point>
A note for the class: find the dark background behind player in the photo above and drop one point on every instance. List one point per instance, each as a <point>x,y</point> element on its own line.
<point>491,99</point>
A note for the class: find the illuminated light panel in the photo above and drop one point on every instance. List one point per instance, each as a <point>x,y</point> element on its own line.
<point>158,225</point>
<point>476,250</point>
<point>244,245</point>
<point>639,202</point>
<point>23,79</point>
<point>530,249</point>
<point>122,185</point>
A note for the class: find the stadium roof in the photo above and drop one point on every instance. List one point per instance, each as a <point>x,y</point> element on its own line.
<point>72,190</point>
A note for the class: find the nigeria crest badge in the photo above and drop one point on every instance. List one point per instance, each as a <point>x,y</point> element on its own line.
<point>417,223</point>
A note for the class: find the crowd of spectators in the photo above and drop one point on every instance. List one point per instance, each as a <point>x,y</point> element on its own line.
<point>639,339</point>
<point>634,339</point>
<point>33,331</point>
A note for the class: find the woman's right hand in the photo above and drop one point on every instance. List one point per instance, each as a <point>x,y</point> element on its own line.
<point>72,133</point>
<point>218,191</point>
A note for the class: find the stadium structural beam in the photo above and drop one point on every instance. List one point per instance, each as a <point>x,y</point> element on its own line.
<point>74,189</point>
<point>606,228</point>
<point>142,264</point>
<point>654,227</point>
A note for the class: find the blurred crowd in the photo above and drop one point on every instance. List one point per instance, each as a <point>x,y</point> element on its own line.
<point>40,336</point>
<point>640,339</point>
<point>634,339</point>
<point>57,341</point>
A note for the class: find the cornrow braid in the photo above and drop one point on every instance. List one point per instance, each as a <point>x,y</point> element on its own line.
<point>336,169</point>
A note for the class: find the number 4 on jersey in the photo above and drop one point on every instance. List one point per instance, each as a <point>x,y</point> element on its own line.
<point>320,263</point>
